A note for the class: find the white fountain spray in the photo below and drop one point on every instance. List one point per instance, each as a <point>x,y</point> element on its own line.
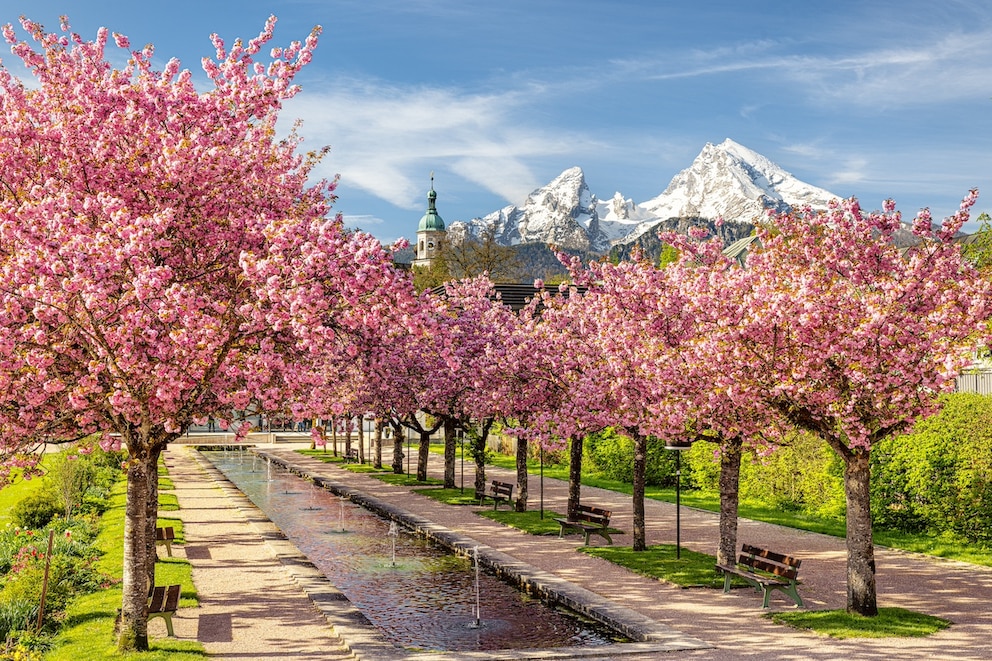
<point>394,532</point>
<point>478,607</point>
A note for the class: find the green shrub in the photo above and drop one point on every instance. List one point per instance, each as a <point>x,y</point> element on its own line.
<point>801,475</point>
<point>939,477</point>
<point>36,510</point>
<point>612,456</point>
<point>67,577</point>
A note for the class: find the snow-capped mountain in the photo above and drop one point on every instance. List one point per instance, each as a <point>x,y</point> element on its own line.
<point>727,181</point>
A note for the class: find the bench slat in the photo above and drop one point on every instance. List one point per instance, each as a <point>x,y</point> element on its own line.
<point>780,572</point>
<point>770,567</point>
<point>771,555</point>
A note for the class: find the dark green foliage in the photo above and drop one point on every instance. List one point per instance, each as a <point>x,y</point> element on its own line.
<point>612,455</point>
<point>36,510</point>
<point>539,261</point>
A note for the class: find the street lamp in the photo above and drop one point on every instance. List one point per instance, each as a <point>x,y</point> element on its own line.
<point>678,446</point>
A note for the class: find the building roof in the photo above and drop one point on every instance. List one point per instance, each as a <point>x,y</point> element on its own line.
<point>517,295</point>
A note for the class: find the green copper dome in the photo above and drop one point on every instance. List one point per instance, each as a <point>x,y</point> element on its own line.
<point>431,222</point>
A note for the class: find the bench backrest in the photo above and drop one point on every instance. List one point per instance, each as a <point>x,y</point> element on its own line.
<point>769,561</point>
<point>594,515</point>
<point>502,489</point>
<point>162,534</point>
<point>165,598</point>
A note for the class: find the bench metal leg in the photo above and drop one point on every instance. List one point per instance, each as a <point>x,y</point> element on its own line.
<point>790,591</point>
<point>168,621</point>
<point>602,533</point>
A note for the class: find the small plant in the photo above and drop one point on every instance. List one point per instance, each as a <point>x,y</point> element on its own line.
<point>36,510</point>
<point>16,615</point>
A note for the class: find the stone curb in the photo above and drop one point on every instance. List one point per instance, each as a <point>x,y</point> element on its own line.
<point>651,636</point>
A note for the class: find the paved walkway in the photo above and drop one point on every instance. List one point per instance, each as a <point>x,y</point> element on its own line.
<point>253,603</point>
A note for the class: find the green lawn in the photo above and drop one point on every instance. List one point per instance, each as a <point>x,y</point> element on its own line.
<point>88,630</point>
<point>890,623</point>
<point>944,546</point>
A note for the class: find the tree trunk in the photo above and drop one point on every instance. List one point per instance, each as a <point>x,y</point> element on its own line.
<point>334,435</point>
<point>424,452</point>
<point>397,448</point>
<point>348,422</point>
<point>478,449</point>
<point>450,452</point>
<point>730,479</point>
<point>861,592</point>
<point>361,439</point>
<point>380,424</point>
<point>574,475</point>
<point>521,503</point>
<point>640,469</point>
<point>132,631</point>
<point>151,516</point>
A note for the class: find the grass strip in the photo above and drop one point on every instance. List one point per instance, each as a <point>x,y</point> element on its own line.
<point>450,496</point>
<point>890,623</point>
<point>691,570</point>
<point>530,522</point>
<point>88,631</point>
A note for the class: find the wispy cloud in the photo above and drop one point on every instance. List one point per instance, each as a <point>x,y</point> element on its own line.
<point>380,135</point>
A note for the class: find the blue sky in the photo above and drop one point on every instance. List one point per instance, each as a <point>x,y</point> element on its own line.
<point>871,99</point>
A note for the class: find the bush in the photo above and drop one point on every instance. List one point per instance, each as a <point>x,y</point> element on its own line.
<point>36,510</point>
<point>939,477</point>
<point>612,455</point>
<point>803,475</point>
<point>68,577</point>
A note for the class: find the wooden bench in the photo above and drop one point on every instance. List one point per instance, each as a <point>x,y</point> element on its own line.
<point>351,456</point>
<point>589,520</point>
<point>165,536</point>
<point>498,491</point>
<point>163,603</point>
<point>767,571</point>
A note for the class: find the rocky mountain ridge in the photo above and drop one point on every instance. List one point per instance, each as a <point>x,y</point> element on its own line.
<point>726,181</point>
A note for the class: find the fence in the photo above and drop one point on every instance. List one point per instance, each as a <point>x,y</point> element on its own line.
<point>980,382</point>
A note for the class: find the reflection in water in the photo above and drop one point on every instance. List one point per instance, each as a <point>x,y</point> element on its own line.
<point>418,595</point>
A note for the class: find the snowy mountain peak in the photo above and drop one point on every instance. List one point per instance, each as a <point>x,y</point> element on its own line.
<point>727,181</point>
<point>732,182</point>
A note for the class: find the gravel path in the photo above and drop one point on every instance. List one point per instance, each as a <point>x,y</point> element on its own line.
<point>251,609</point>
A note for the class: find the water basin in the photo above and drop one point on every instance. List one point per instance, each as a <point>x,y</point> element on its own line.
<point>420,596</point>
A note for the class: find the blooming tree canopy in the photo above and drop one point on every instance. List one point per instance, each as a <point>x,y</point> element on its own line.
<point>849,337</point>
<point>162,256</point>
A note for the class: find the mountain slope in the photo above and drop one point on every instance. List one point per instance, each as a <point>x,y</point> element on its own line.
<point>726,181</point>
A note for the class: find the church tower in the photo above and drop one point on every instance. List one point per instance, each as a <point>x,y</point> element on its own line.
<point>430,232</point>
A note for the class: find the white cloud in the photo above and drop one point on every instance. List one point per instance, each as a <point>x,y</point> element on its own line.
<point>384,139</point>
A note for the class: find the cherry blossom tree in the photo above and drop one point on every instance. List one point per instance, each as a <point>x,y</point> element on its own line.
<point>849,337</point>
<point>711,402</point>
<point>637,319</point>
<point>163,258</point>
<point>559,399</point>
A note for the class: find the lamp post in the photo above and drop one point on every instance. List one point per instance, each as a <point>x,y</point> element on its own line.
<point>678,447</point>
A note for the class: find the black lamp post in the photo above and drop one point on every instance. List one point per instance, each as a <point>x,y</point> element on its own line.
<point>678,447</point>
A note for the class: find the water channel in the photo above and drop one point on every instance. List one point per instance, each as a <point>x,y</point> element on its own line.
<point>418,595</point>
